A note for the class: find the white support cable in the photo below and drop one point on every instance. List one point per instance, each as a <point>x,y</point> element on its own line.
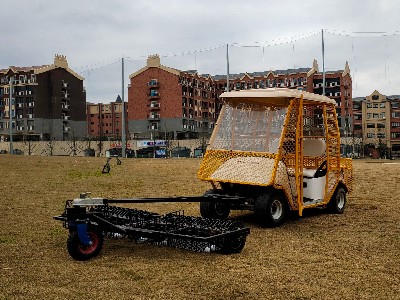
<point>270,43</point>
<point>102,67</point>
<point>94,66</point>
<point>277,41</point>
<point>363,33</point>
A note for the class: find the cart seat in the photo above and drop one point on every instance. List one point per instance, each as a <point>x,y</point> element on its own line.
<point>314,147</point>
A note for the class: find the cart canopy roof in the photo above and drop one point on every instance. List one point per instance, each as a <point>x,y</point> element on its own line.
<point>274,96</point>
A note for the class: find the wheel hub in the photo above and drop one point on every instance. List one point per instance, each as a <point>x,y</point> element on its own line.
<point>340,201</point>
<point>276,209</point>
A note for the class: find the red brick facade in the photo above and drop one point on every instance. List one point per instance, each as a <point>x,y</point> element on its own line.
<point>186,102</point>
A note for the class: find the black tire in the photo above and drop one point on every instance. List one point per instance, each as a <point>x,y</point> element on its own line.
<point>271,209</point>
<point>337,203</point>
<point>78,251</point>
<point>214,209</point>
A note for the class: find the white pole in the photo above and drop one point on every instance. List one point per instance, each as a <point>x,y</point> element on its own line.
<point>10,112</point>
<point>323,64</point>
<point>227,67</point>
<point>123,114</point>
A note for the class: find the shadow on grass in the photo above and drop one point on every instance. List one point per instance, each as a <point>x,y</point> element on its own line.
<point>249,218</point>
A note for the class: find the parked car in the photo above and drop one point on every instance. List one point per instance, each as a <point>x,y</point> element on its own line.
<point>89,152</point>
<point>180,152</point>
<point>18,152</point>
<point>150,152</point>
<point>118,152</point>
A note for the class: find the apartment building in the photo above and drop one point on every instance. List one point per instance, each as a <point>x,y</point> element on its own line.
<point>185,104</point>
<point>105,120</point>
<point>47,102</point>
<point>394,146</point>
<point>165,102</point>
<point>377,124</point>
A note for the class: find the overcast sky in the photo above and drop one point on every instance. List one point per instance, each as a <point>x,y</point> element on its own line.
<point>189,34</point>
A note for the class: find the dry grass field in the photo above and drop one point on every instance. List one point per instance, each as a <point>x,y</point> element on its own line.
<point>320,256</point>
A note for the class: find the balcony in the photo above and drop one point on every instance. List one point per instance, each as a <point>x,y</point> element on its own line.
<point>153,84</point>
<point>154,106</point>
<point>154,117</point>
<point>154,95</point>
<point>65,95</point>
<point>65,106</point>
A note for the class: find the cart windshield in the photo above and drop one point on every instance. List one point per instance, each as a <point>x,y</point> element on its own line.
<point>249,127</point>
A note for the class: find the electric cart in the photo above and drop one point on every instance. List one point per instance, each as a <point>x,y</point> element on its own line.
<point>278,150</point>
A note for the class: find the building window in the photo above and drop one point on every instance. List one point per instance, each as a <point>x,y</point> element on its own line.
<point>375,115</point>
<point>380,135</point>
<point>375,105</point>
<point>370,135</point>
<point>369,105</point>
<point>395,135</point>
<point>382,105</point>
<point>117,115</point>
<point>395,124</point>
<point>382,115</point>
<point>395,104</point>
<point>381,125</point>
<point>395,114</point>
<point>370,125</point>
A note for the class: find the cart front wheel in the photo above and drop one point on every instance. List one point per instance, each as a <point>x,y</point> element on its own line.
<point>79,251</point>
<point>337,203</point>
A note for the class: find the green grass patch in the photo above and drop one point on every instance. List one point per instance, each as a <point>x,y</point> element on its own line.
<point>6,240</point>
<point>76,174</point>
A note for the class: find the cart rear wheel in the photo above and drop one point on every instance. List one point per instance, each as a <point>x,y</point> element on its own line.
<point>79,251</point>
<point>214,209</point>
<point>338,201</point>
<point>271,209</point>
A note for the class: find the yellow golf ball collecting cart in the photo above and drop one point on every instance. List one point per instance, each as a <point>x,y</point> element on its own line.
<point>275,150</point>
